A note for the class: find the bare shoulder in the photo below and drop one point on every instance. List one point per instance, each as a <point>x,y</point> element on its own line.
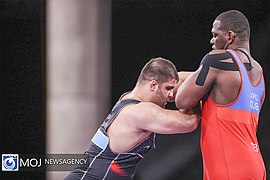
<point>257,66</point>
<point>256,72</point>
<point>130,114</point>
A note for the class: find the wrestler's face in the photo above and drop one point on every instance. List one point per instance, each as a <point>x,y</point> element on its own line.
<point>219,39</point>
<point>165,92</point>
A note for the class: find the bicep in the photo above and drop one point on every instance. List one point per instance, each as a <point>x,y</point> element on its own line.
<point>190,92</point>
<point>163,121</point>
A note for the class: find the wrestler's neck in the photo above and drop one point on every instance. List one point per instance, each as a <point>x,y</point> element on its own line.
<point>243,45</point>
<point>140,93</point>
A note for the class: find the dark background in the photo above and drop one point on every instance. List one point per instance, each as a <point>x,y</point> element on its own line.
<point>22,81</point>
<point>178,30</point>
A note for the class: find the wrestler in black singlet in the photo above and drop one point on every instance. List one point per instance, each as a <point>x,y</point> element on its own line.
<point>102,162</point>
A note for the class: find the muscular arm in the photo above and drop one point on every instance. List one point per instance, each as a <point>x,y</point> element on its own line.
<point>151,117</point>
<point>203,80</point>
<point>217,76</point>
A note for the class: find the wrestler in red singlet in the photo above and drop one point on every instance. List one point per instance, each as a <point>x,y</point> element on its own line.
<point>228,138</point>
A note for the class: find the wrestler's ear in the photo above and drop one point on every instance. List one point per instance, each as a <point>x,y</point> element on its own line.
<point>153,85</point>
<point>230,37</point>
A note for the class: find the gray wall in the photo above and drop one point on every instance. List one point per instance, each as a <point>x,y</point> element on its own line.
<point>78,74</point>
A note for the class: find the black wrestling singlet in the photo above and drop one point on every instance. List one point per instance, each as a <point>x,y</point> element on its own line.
<point>104,164</point>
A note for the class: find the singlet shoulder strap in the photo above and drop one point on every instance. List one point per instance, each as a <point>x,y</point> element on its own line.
<point>248,65</point>
<point>115,111</point>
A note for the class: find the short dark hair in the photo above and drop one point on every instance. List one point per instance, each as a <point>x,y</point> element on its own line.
<point>235,21</point>
<point>159,69</point>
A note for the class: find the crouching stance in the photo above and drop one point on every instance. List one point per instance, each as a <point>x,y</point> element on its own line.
<point>128,132</point>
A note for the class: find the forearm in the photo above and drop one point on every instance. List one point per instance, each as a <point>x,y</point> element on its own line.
<point>190,122</point>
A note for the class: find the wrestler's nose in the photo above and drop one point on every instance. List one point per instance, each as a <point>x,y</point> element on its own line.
<point>212,41</point>
<point>170,95</point>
